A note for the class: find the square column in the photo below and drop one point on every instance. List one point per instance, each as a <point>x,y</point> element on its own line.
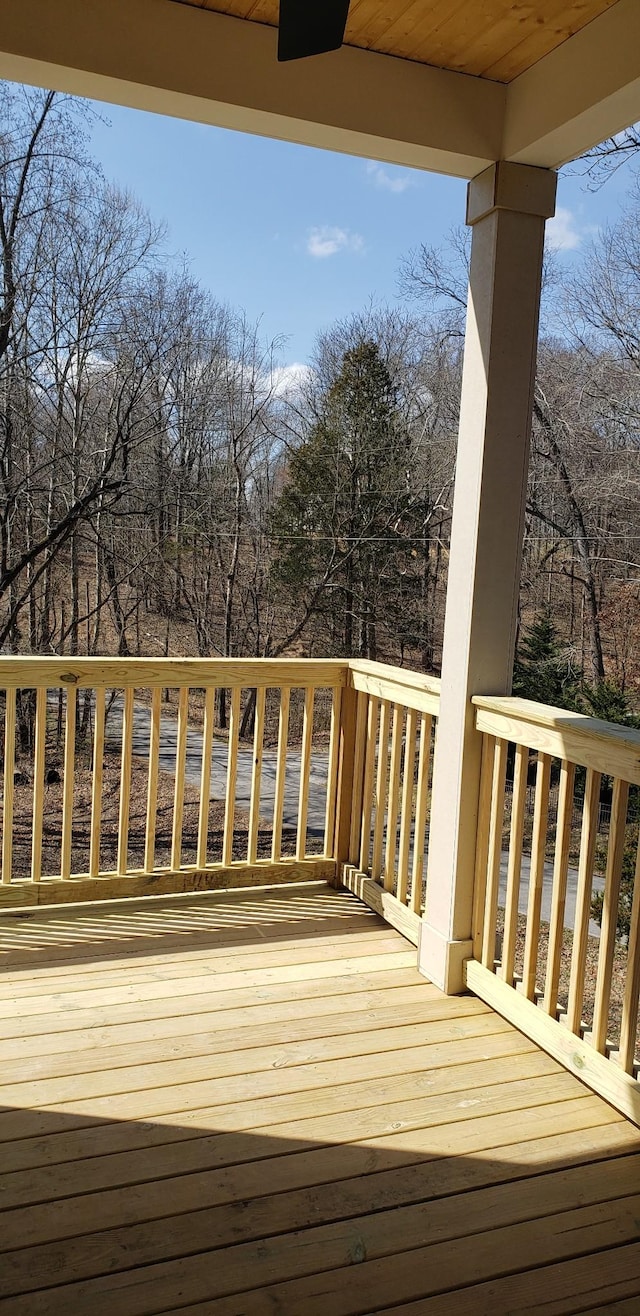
<point>507,206</point>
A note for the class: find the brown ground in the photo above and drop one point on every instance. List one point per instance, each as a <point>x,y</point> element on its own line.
<point>593,945</point>
<point>52,830</point>
<point>593,949</point>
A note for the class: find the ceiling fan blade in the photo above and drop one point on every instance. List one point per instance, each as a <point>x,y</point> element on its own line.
<point>310,27</point>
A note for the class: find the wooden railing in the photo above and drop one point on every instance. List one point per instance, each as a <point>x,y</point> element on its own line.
<point>108,781</point>
<point>89,809</point>
<point>535,961</point>
<point>385,862</point>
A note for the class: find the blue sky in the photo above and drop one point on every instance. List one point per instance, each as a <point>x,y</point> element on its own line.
<point>296,236</point>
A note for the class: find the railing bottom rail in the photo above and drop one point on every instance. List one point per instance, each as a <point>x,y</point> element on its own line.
<point>23,894</point>
<point>382,902</point>
<point>604,1076</point>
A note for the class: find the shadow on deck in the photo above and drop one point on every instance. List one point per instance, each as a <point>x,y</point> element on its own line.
<point>254,1104</point>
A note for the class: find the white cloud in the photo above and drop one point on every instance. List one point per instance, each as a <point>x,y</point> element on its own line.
<point>561,232</point>
<point>390,180</point>
<point>288,380</point>
<point>326,241</point>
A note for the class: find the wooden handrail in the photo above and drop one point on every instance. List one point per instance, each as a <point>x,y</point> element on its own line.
<point>410,689</point>
<point>25,672</point>
<point>587,741</point>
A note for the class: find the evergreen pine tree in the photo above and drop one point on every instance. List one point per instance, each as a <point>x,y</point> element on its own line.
<point>344,520</point>
<point>608,701</point>
<point>541,672</point>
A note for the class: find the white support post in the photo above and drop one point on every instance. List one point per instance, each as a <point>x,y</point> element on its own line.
<point>507,206</point>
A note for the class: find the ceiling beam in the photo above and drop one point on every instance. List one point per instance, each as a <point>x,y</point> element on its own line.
<point>585,90</point>
<point>189,62</point>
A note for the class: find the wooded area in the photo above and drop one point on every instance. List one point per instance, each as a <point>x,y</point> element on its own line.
<point>166,487</point>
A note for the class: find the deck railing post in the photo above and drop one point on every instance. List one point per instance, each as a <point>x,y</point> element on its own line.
<point>507,207</point>
<point>347,786</point>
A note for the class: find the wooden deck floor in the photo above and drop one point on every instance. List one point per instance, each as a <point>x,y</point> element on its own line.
<point>256,1105</point>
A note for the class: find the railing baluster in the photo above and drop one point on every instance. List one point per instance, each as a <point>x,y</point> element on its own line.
<point>152,782</point>
<point>281,771</point>
<point>514,868</point>
<point>68,775</point>
<point>232,772</point>
<point>406,810</point>
<point>178,793</point>
<point>367,788</point>
<point>382,781</point>
<point>205,776</point>
<point>559,889</point>
<point>494,854</point>
<point>482,842</point>
<point>611,897</point>
<point>8,791</point>
<point>536,876</point>
<point>630,1004</point>
<point>305,772</point>
<point>38,784</point>
<point>332,774</point>
<point>256,775</point>
<point>125,782</point>
<point>583,900</point>
<point>422,800</point>
<point>96,783</point>
<point>393,802</point>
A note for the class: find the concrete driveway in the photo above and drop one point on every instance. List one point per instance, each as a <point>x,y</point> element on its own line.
<point>547,887</point>
<point>193,766</point>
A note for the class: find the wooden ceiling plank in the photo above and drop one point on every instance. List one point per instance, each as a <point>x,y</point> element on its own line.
<point>428,20</point>
<point>506,34</point>
<point>370,19</point>
<point>432,35</point>
<point>562,21</point>
<point>398,37</point>
<point>264,11</point>
<point>233,8</point>
<point>454,44</point>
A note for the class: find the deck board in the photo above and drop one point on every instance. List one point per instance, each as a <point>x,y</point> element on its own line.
<point>253,1105</point>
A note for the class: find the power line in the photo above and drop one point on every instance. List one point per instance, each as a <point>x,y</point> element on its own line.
<point>395,539</point>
